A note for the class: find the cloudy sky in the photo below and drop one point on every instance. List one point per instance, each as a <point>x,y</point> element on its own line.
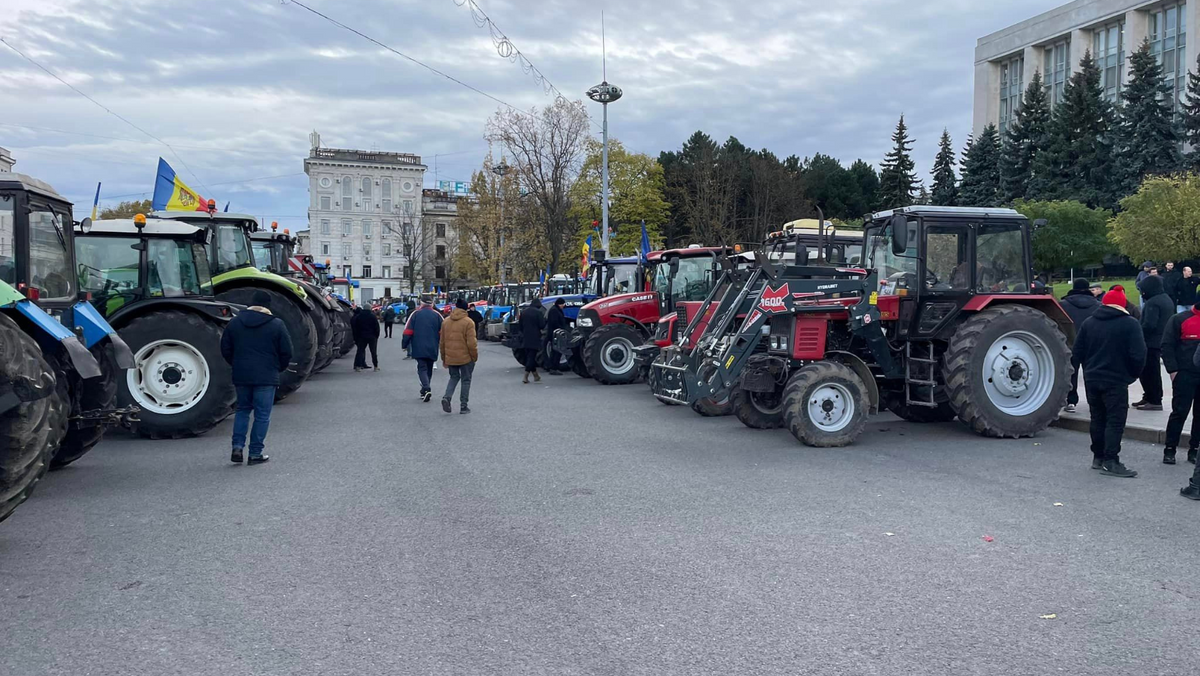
<point>235,86</point>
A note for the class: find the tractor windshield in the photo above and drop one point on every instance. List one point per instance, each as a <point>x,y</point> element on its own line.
<point>1000,258</point>
<point>892,269</point>
<point>620,279</point>
<point>691,280</point>
<point>108,269</point>
<point>172,269</point>
<point>49,260</point>
<point>8,267</point>
<point>231,248</point>
<point>262,255</point>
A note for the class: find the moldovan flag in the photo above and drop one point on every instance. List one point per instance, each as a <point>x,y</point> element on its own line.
<point>587,250</point>
<point>171,194</point>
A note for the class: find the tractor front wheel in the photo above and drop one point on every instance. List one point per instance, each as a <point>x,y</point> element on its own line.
<point>757,410</point>
<point>300,329</point>
<point>1007,371</point>
<point>714,407</point>
<point>825,404</point>
<point>608,354</point>
<point>30,430</point>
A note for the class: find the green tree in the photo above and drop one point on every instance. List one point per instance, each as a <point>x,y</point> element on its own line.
<point>126,209</point>
<point>981,171</point>
<point>1023,140</point>
<point>635,184</point>
<point>1075,235</point>
<point>1161,221</point>
<point>828,185</point>
<point>1149,140</point>
<point>945,183</point>
<point>868,188</point>
<point>1190,116</point>
<point>897,174</point>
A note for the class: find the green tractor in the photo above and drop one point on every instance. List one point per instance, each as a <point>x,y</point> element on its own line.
<point>150,279</point>
<point>235,279</point>
<point>59,359</point>
<point>274,251</point>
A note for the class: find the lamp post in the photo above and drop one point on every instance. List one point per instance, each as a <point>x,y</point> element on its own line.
<point>500,170</point>
<point>604,94</point>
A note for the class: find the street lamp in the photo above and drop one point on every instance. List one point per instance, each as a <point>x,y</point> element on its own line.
<point>501,170</point>
<point>604,94</point>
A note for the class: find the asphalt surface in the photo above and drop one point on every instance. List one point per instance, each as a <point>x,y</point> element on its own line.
<point>572,528</point>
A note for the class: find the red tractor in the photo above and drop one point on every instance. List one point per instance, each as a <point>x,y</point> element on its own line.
<point>944,323</point>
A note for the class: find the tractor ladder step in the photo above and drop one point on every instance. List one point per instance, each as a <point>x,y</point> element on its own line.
<point>927,363</point>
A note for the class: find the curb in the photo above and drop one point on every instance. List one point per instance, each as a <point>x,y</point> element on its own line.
<point>1149,435</point>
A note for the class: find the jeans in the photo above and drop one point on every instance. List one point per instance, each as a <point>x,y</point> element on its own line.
<point>1151,377</point>
<point>463,373</point>
<point>360,357</point>
<point>531,359</point>
<point>1109,406</point>
<point>425,372</point>
<point>1184,399</point>
<point>260,399</point>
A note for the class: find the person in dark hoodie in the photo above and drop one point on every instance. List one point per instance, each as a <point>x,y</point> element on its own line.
<point>555,319</point>
<point>533,320</point>
<point>1157,310</point>
<point>1111,349</point>
<point>258,348</point>
<point>1079,303</point>
<point>366,334</point>
<point>1179,343</point>
<point>474,316</point>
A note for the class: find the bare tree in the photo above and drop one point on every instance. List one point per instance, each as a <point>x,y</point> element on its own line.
<point>412,245</point>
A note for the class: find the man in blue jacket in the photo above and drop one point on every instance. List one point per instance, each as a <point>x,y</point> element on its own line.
<point>258,348</point>
<point>422,335</point>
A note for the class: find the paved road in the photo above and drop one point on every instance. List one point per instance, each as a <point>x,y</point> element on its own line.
<point>571,528</point>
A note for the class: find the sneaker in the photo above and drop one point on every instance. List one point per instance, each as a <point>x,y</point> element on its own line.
<point>1168,456</point>
<point>1138,404</point>
<point>236,456</point>
<point>356,369</point>
<point>446,405</point>
<point>464,410</point>
<point>376,368</point>
<point>1115,468</point>
<point>258,459</point>
<point>1097,462</point>
<point>1191,492</point>
<point>1070,408</point>
<point>1150,407</point>
<point>427,397</point>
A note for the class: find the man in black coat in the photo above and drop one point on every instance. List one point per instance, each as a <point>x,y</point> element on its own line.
<point>389,319</point>
<point>1079,303</point>
<point>258,348</point>
<point>1179,343</point>
<point>1157,310</point>
<point>1111,349</point>
<point>533,320</point>
<point>1170,278</point>
<point>473,315</point>
<point>365,328</point>
<point>555,319</point>
<point>1186,292</point>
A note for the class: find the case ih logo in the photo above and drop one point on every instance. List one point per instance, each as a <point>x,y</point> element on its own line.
<point>774,300</point>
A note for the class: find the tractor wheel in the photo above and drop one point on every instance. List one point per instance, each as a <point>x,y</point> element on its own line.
<point>519,355</point>
<point>608,354</point>
<point>179,379</point>
<point>578,367</point>
<point>1007,370</point>
<point>922,414</point>
<point>87,395</point>
<point>545,362</point>
<point>30,430</point>
<point>347,333</point>
<point>339,333</point>
<point>652,379</point>
<point>825,404</point>
<point>757,410</point>
<point>714,407</point>
<point>300,329</point>
<point>325,347</point>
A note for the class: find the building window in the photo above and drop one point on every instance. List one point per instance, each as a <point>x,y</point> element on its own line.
<point>346,226</point>
<point>1011,86</point>
<point>345,249</point>
<point>347,193</point>
<point>324,248</point>
<point>366,188</point>
<point>439,272</point>
<point>387,274</point>
<point>368,228</point>
<point>1168,43</point>
<point>1056,70</point>
<point>441,230</point>
<point>385,192</point>
<point>387,290</point>
<point>325,202</point>
<point>324,226</point>
<point>408,206</point>
<point>385,228</point>
<point>387,248</point>
<point>366,248</point>
<point>441,252</point>
<point>1109,49</point>
<point>346,271</point>
<point>366,272</point>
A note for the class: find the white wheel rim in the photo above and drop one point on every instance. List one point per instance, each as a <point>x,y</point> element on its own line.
<point>617,356</point>
<point>1018,373</point>
<point>168,378</point>
<point>831,407</point>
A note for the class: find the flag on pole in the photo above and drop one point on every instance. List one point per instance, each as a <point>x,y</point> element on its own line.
<point>645,242</point>
<point>227,206</point>
<point>96,202</point>
<point>585,263</point>
<point>171,194</point>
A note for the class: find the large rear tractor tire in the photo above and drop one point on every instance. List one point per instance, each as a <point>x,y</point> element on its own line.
<point>1007,371</point>
<point>347,333</point>
<point>31,429</point>
<point>300,329</point>
<point>757,410</point>
<point>325,346</point>
<point>922,414</point>
<point>519,355</point>
<point>339,328</point>
<point>608,354</point>
<point>179,379</point>
<point>825,404</point>
<point>86,395</point>
<point>577,366</point>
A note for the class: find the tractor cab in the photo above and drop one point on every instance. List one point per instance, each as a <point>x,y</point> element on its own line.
<point>273,251</point>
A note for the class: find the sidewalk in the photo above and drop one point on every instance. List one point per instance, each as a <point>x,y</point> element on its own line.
<point>1148,426</point>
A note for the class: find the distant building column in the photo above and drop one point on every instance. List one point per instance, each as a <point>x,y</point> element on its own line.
<point>1033,64</point>
<point>1192,11</point>
<point>1137,30</point>
<point>987,96</point>
<point>1081,42</point>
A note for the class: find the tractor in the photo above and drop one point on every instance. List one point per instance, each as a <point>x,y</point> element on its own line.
<point>943,323</point>
<point>275,252</point>
<point>61,359</point>
<point>150,279</point>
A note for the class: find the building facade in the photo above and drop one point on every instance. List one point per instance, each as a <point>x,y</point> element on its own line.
<point>364,216</point>
<point>439,215</point>
<point>1054,42</point>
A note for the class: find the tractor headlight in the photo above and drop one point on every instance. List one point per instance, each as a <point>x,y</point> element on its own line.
<point>585,321</point>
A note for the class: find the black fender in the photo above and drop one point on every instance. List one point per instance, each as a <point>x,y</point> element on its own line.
<point>212,309</point>
<point>645,330</point>
<point>315,295</point>
<point>864,372</point>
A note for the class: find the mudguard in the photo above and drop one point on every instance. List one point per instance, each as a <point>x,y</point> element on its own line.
<point>95,328</point>
<point>82,360</point>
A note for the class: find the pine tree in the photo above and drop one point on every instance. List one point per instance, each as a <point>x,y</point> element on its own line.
<point>962,159</point>
<point>897,173</point>
<point>1149,139</point>
<point>923,195</point>
<point>945,183</point>
<point>1077,163</point>
<point>1191,116</point>
<point>981,171</point>
<point>1023,140</point>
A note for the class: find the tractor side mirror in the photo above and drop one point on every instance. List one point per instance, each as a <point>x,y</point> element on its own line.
<point>85,226</point>
<point>1040,223</point>
<point>899,226</point>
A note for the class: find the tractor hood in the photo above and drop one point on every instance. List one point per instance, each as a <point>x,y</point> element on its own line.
<point>611,304</point>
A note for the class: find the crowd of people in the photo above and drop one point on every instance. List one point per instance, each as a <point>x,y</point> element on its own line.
<point>1118,343</point>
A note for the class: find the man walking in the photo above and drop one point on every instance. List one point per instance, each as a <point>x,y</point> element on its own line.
<point>422,337</point>
<point>1112,350</point>
<point>1157,310</point>
<point>258,348</point>
<point>389,319</point>
<point>460,351</point>
<point>365,328</point>
<point>555,319</point>
<point>532,322</point>
<point>1179,343</point>
<point>1079,303</point>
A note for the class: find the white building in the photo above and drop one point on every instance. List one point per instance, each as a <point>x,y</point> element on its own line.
<point>6,160</point>
<point>1055,41</point>
<point>364,212</point>
<point>439,213</point>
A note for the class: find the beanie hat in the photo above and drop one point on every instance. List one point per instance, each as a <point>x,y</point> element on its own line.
<point>1080,284</point>
<point>260,297</point>
<point>560,301</point>
<point>461,303</point>
<point>1115,297</point>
